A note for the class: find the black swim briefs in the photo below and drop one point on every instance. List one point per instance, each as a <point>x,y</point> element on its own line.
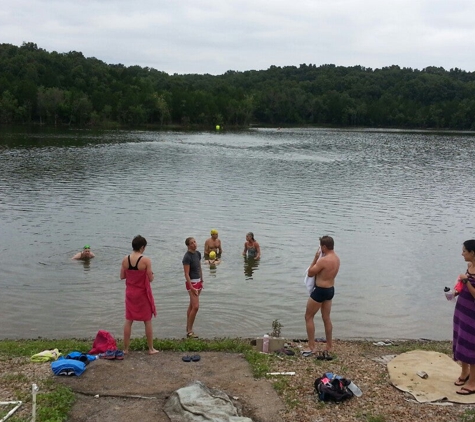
<point>321,294</point>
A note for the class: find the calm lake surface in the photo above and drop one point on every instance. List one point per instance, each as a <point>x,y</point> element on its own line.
<point>399,206</point>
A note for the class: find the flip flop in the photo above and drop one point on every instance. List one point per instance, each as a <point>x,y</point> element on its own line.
<point>186,358</point>
<point>467,393</point>
<point>195,358</point>
<point>191,334</point>
<point>306,353</point>
<point>285,351</point>
<point>461,381</point>
<point>324,355</point>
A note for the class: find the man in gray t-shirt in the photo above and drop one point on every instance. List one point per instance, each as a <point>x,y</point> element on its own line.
<point>193,282</point>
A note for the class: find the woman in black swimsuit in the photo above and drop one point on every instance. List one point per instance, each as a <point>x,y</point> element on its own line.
<point>251,247</point>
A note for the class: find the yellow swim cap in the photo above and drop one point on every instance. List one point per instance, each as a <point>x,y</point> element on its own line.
<point>212,255</point>
<point>214,231</point>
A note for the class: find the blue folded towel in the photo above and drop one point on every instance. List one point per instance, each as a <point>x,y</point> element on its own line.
<point>83,357</point>
<point>68,367</point>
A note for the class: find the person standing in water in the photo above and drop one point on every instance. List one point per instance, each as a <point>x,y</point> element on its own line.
<point>213,244</point>
<point>137,271</point>
<point>193,283</point>
<point>324,268</point>
<point>251,247</point>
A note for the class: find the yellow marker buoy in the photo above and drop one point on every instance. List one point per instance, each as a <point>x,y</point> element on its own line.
<point>218,127</point>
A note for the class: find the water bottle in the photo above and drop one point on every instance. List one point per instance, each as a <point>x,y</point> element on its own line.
<point>448,293</point>
<point>265,343</point>
<point>355,389</point>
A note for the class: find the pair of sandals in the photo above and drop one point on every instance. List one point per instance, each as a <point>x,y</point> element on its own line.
<point>321,355</point>
<point>463,391</point>
<point>193,358</point>
<point>112,354</point>
<point>324,355</point>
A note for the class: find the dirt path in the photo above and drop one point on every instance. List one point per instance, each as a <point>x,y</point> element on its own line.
<point>137,387</point>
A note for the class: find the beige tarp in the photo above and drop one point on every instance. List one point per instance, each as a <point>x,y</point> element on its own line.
<point>442,371</point>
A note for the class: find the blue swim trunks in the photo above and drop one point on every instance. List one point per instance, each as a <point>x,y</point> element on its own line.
<point>321,294</point>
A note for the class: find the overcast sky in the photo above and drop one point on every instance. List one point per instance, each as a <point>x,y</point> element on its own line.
<point>213,36</point>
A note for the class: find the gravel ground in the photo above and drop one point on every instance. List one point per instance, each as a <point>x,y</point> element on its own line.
<point>381,402</point>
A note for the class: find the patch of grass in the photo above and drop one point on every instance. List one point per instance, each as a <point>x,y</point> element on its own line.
<point>52,405</point>
<point>280,385</point>
<point>10,378</point>
<point>18,419</point>
<point>55,405</point>
<point>20,348</point>
<point>292,403</point>
<point>370,417</point>
<point>284,388</point>
<point>259,362</point>
<point>468,416</point>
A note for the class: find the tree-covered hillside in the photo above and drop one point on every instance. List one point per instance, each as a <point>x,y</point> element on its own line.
<point>37,86</point>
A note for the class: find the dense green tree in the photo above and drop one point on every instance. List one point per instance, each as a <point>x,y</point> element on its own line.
<point>54,88</point>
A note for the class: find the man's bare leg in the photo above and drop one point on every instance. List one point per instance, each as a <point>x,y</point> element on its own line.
<point>326,309</point>
<point>312,308</point>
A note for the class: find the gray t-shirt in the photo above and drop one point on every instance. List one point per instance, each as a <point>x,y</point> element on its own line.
<point>193,260</point>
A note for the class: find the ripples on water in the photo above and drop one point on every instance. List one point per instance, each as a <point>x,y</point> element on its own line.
<point>397,204</point>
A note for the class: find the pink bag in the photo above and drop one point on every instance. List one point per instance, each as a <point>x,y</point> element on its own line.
<point>103,342</point>
<point>458,286</point>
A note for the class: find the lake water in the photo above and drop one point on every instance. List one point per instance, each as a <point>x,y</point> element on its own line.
<point>399,206</point>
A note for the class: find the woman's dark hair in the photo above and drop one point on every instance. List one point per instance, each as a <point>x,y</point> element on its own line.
<point>469,245</point>
<point>138,242</point>
<point>252,235</point>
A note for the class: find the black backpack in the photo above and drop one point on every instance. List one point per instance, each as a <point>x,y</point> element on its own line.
<point>335,390</point>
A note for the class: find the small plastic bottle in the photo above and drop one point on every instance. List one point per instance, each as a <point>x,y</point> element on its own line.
<point>355,389</point>
<point>265,343</point>
<point>448,293</point>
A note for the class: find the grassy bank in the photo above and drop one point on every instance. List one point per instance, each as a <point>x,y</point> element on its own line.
<point>54,401</point>
<point>353,358</point>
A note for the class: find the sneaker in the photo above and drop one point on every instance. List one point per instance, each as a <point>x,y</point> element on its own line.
<point>109,354</point>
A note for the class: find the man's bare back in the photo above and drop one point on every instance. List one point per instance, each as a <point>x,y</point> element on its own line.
<point>329,267</point>
<point>324,268</point>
